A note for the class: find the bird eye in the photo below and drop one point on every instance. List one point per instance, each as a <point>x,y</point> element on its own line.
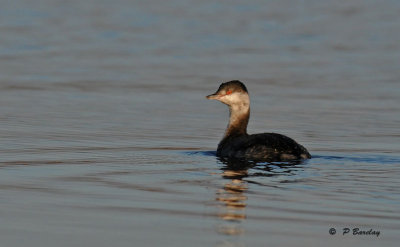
<point>228,92</point>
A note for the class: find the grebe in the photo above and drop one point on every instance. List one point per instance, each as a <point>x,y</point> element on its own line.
<point>236,143</point>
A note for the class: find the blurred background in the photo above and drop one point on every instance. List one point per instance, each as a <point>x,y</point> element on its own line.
<point>104,128</point>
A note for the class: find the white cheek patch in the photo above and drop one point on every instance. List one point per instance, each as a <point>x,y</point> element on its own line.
<point>231,99</point>
<point>235,98</point>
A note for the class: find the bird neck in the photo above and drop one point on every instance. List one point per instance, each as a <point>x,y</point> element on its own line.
<point>239,115</point>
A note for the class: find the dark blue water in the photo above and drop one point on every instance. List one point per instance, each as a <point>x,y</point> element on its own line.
<point>106,138</point>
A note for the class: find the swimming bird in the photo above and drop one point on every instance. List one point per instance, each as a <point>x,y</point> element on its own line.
<point>236,143</point>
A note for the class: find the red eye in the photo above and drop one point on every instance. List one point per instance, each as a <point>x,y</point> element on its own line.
<point>228,92</point>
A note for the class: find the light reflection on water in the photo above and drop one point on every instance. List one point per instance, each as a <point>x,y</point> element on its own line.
<point>106,138</point>
<point>233,200</point>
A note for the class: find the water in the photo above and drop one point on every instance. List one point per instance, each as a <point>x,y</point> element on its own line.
<point>106,138</point>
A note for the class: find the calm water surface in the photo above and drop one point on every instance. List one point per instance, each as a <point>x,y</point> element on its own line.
<point>106,138</point>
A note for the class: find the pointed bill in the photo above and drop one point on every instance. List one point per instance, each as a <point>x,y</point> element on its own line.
<point>213,96</point>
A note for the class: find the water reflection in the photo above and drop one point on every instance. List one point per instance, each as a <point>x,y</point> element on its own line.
<point>232,196</point>
<point>233,202</point>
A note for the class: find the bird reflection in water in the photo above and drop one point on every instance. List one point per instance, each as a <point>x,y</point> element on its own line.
<point>233,198</point>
